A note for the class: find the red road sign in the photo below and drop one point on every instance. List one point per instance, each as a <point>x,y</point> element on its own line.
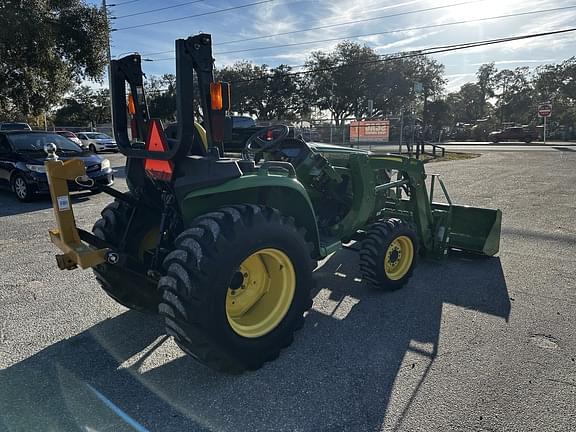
<point>544,110</point>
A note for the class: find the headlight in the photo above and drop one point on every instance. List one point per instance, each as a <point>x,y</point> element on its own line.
<point>105,164</point>
<point>36,168</point>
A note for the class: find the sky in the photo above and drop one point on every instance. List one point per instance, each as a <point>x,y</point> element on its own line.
<point>265,20</point>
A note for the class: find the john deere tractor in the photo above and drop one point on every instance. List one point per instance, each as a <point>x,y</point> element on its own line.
<point>224,248</point>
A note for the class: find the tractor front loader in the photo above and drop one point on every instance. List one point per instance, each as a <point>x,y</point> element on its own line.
<point>222,248</point>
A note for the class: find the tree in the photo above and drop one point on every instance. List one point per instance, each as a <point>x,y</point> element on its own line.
<point>557,83</point>
<point>515,101</point>
<point>46,46</point>
<point>248,85</point>
<point>485,79</point>
<point>85,106</point>
<point>439,114</point>
<point>340,81</point>
<point>161,97</point>
<point>391,87</point>
<point>466,103</point>
<point>429,73</point>
<point>268,94</point>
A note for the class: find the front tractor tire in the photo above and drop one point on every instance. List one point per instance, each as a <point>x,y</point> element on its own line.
<point>128,287</point>
<point>388,254</point>
<point>237,286</point>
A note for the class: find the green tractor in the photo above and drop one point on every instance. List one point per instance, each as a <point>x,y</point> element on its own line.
<point>224,248</point>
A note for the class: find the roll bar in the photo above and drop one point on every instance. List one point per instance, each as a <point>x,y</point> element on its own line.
<point>193,55</point>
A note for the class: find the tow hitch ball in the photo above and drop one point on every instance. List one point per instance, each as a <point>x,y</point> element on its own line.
<point>112,257</point>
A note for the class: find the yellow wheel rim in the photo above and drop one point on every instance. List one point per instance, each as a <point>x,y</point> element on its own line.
<point>260,293</point>
<point>148,242</point>
<point>398,258</point>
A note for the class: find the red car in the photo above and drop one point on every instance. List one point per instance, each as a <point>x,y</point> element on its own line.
<point>71,136</point>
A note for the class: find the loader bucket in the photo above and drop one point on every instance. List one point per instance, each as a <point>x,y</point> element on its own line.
<point>474,229</point>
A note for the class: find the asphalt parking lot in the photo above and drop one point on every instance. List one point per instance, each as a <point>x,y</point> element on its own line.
<point>471,345</point>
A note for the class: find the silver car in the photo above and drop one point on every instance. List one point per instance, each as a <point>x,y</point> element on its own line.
<point>97,141</point>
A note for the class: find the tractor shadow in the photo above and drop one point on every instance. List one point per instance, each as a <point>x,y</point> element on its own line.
<point>337,375</point>
<point>10,206</point>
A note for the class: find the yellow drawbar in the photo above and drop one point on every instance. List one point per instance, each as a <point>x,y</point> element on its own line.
<point>66,236</point>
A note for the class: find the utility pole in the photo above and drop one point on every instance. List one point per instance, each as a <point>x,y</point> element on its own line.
<point>401,129</point>
<point>332,111</point>
<point>502,103</point>
<point>109,57</point>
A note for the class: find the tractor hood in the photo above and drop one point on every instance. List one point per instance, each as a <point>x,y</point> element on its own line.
<point>332,148</point>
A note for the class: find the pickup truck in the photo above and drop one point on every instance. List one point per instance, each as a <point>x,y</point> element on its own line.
<point>516,133</point>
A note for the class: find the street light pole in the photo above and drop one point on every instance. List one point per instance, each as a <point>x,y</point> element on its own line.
<point>332,112</point>
<point>109,58</point>
<point>502,103</point>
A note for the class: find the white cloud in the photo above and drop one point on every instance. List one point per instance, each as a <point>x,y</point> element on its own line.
<point>290,15</point>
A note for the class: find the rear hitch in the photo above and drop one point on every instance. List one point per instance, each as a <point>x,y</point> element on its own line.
<point>66,235</point>
<point>65,262</point>
<point>112,257</point>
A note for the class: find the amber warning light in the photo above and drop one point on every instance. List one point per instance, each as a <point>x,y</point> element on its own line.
<point>157,169</point>
<point>219,96</point>
<point>131,105</point>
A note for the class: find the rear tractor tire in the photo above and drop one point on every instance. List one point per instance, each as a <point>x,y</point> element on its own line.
<point>388,254</point>
<point>237,286</point>
<point>127,287</point>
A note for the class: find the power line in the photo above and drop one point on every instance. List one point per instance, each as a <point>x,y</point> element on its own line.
<point>196,15</point>
<point>123,3</point>
<point>159,9</point>
<point>385,32</point>
<point>400,56</point>
<point>335,25</point>
<point>423,52</point>
<point>397,31</point>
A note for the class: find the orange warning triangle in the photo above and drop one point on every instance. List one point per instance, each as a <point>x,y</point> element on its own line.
<point>158,169</point>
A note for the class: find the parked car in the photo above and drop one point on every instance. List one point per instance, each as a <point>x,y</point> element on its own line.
<point>72,137</point>
<point>243,122</point>
<point>22,159</point>
<point>516,133</point>
<point>96,141</point>
<point>14,126</point>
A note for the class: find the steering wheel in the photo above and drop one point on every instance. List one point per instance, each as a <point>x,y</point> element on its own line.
<point>257,142</point>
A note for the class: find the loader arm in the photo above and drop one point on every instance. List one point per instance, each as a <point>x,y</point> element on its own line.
<point>440,226</point>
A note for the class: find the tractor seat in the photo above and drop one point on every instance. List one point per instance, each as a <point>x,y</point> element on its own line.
<point>247,166</point>
<point>197,172</point>
<point>198,145</point>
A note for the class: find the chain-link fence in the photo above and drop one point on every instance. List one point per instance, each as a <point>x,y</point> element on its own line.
<point>397,133</point>
<point>103,128</point>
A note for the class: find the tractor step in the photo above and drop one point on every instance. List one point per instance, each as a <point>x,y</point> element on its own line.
<point>329,246</point>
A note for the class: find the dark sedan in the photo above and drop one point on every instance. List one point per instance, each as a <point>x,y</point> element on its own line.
<point>22,159</point>
<point>515,134</point>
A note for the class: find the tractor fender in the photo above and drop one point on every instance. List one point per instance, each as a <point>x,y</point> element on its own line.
<point>284,193</point>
